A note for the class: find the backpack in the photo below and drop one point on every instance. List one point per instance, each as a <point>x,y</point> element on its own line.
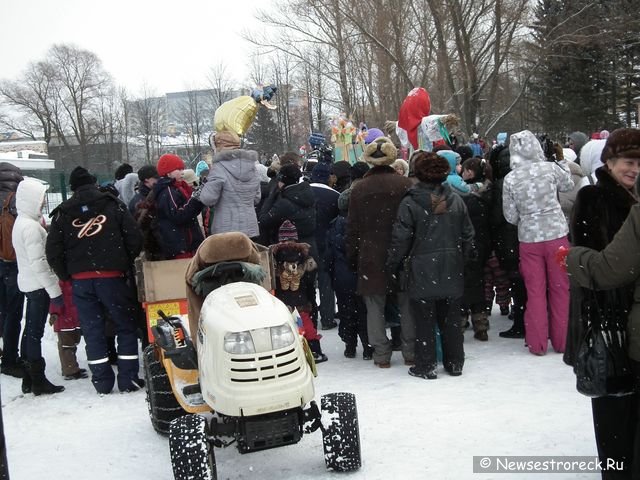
<point>7,252</point>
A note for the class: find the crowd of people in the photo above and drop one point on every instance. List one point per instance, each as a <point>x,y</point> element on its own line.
<point>423,246</point>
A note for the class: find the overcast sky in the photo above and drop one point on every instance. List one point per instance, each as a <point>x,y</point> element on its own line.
<point>170,45</point>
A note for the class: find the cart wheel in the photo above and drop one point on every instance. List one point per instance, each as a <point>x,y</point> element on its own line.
<point>192,456</point>
<point>161,402</point>
<point>340,432</point>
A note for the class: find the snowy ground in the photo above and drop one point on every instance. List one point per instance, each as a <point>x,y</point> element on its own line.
<point>507,402</point>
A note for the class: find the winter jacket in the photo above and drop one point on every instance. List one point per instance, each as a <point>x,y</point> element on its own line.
<point>478,205</point>
<point>179,232</point>
<point>343,278</point>
<point>372,210</point>
<point>68,319</point>
<point>295,203</point>
<point>579,140</point>
<point>530,191</point>
<point>454,179</point>
<point>434,231</point>
<point>10,176</point>
<point>614,267</point>
<point>233,189</point>
<point>298,253</point>
<point>29,238</point>
<point>590,161</point>
<point>140,196</point>
<point>567,199</point>
<point>92,232</point>
<point>599,213</point>
<point>504,236</point>
<point>326,210</point>
<point>127,187</point>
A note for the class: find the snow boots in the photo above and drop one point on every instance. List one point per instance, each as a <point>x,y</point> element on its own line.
<point>39,383</point>
<point>517,330</point>
<point>480,326</point>
<point>316,350</point>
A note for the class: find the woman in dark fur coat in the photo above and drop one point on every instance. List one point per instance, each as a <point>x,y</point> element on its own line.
<point>599,212</point>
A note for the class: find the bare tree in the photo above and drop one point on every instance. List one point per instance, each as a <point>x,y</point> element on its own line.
<point>34,95</point>
<point>221,84</point>
<point>81,85</point>
<point>195,113</point>
<point>147,114</point>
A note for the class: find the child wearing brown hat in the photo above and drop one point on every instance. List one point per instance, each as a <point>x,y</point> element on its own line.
<point>294,282</point>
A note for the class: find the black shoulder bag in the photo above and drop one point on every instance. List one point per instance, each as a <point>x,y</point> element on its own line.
<point>602,364</point>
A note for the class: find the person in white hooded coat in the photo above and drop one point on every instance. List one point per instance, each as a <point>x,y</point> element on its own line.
<point>36,280</point>
<point>530,201</point>
<point>590,161</point>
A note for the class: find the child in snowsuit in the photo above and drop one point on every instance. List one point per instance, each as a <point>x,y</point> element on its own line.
<point>293,264</point>
<point>66,324</point>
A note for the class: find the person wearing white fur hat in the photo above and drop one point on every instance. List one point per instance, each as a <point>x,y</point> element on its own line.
<point>372,210</point>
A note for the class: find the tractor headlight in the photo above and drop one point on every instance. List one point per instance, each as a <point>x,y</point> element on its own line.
<point>239,343</point>
<point>281,336</point>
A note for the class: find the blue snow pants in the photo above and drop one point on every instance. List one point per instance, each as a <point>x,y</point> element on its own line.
<point>94,297</point>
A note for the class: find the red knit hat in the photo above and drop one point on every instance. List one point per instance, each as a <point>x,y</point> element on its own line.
<point>168,163</point>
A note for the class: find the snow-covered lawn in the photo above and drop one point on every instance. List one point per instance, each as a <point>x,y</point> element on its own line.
<point>507,402</point>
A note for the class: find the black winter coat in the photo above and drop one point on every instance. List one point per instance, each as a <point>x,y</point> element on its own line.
<point>478,206</point>
<point>343,278</point>
<point>504,236</point>
<point>433,229</point>
<point>92,231</point>
<point>598,213</point>
<point>179,232</point>
<point>295,203</point>
<point>140,195</point>
<point>326,210</point>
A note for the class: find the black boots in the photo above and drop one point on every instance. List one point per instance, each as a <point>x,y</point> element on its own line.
<point>517,330</point>
<point>26,381</point>
<point>39,383</point>
<point>316,350</point>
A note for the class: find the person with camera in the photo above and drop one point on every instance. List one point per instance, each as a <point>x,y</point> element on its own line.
<point>530,201</point>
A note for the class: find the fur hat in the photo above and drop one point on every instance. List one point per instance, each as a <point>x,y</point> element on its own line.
<point>80,176</point>
<point>226,140</point>
<point>623,142</point>
<point>190,177</point>
<point>168,163</point>
<point>287,231</point>
<point>380,152</point>
<point>321,173</point>
<point>146,172</point>
<point>289,174</point>
<point>430,167</point>
<point>400,163</point>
